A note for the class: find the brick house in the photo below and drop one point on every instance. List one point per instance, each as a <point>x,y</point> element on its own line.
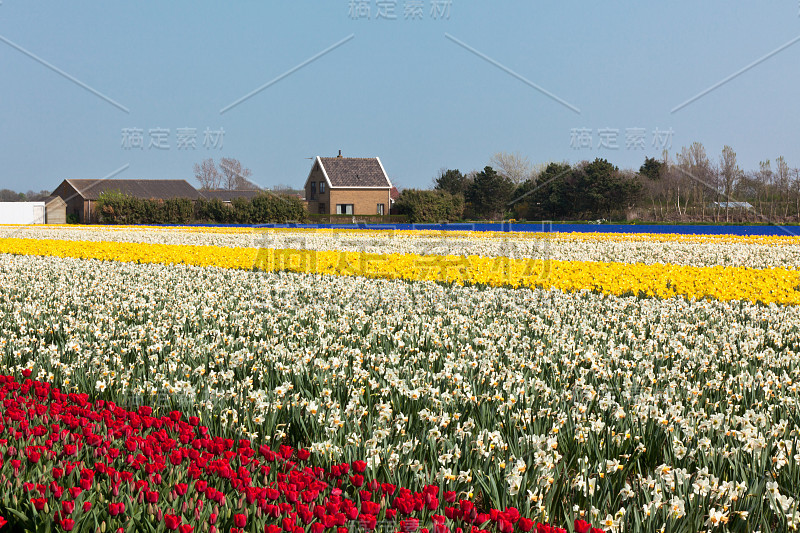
<point>348,186</point>
<point>80,195</point>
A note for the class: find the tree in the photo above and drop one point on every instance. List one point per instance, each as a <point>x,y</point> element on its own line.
<point>549,196</point>
<point>207,174</point>
<point>652,168</point>
<point>429,206</point>
<point>601,188</point>
<point>234,175</point>
<point>782,177</point>
<point>697,174</point>
<point>452,181</point>
<point>489,194</point>
<point>729,174</point>
<point>512,166</point>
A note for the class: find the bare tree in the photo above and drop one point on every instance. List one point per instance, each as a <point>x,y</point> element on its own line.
<point>235,175</point>
<point>729,174</point>
<point>764,179</point>
<point>514,166</point>
<point>207,174</point>
<point>698,173</point>
<point>782,180</point>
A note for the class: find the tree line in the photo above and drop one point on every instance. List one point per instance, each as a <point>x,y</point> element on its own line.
<point>691,187</point>
<point>7,195</point>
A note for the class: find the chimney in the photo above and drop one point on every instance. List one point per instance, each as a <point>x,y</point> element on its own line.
<point>340,154</point>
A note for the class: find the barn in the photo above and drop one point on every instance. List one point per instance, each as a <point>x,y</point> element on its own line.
<point>80,195</point>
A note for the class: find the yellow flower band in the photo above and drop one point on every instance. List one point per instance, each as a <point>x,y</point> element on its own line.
<point>776,285</point>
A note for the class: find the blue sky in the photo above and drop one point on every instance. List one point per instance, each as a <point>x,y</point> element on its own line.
<point>399,89</point>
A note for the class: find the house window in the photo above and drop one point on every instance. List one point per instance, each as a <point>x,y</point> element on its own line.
<point>313,189</point>
<point>321,187</point>
<point>380,209</point>
<point>344,209</point>
<point>321,209</point>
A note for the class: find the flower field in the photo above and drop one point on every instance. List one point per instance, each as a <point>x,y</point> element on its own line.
<point>293,380</point>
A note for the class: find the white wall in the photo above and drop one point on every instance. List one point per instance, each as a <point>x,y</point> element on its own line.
<point>22,212</point>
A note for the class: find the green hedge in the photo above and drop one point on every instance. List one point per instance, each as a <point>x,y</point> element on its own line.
<point>116,208</point>
<point>429,206</point>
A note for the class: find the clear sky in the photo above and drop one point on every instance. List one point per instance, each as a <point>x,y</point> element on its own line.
<point>442,84</point>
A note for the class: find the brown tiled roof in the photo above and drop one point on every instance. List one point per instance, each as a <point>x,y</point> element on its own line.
<point>394,194</point>
<point>355,172</point>
<point>161,189</point>
<point>227,195</point>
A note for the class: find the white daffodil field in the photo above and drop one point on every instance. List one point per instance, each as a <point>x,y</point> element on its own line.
<point>524,406</point>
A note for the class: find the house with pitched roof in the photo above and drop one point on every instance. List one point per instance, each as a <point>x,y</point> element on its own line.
<point>80,195</point>
<point>348,186</point>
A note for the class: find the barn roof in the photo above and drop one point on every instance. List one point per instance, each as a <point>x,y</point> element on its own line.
<point>227,195</point>
<point>354,172</point>
<point>138,188</point>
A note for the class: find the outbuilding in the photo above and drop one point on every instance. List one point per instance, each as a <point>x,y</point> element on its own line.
<point>55,210</point>
<point>22,212</point>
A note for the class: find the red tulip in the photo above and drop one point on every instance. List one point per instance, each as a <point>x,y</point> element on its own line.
<point>66,524</point>
<point>239,520</point>
<point>39,503</point>
<point>115,509</point>
<point>171,521</point>
<point>582,526</point>
<point>409,525</point>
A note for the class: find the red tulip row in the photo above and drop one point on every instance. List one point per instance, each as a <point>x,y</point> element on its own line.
<point>93,465</point>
